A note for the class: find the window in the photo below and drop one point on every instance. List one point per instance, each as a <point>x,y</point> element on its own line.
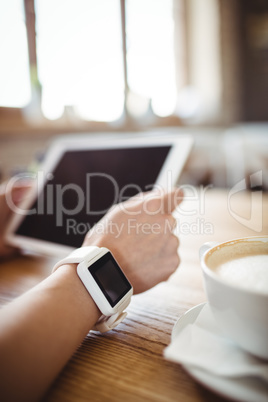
<point>15,89</point>
<point>79,58</point>
<point>124,63</point>
<point>150,56</point>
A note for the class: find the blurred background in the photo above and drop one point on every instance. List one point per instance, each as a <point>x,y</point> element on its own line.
<point>196,67</point>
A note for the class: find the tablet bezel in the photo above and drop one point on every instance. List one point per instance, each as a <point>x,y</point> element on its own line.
<point>178,154</point>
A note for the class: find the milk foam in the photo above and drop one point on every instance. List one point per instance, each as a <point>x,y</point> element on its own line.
<point>242,263</point>
<point>250,272</point>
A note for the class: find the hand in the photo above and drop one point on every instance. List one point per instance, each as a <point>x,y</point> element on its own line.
<point>16,193</point>
<point>139,233</point>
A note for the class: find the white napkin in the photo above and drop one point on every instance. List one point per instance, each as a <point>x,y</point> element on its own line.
<point>201,345</point>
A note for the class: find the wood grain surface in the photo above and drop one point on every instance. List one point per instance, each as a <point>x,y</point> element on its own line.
<point>127,364</point>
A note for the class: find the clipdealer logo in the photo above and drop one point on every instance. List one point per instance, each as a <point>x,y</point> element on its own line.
<point>255,219</point>
<point>52,200</point>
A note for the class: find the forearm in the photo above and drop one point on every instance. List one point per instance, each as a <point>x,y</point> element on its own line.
<point>40,331</point>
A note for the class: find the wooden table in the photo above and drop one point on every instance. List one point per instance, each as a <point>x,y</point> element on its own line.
<point>127,363</point>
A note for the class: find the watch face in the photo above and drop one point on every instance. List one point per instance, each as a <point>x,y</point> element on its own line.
<point>110,279</point>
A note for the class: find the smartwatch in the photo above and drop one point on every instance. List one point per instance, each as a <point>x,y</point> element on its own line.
<point>105,281</point>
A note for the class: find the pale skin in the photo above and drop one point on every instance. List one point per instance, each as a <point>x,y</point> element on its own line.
<point>40,330</point>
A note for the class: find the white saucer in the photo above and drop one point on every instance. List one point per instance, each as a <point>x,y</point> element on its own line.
<point>246,389</point>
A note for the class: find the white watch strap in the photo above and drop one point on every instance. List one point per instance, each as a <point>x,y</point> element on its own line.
<point>105,323</point>
<point>77,256</point>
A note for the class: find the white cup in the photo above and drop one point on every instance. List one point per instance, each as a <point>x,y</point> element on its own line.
<point>240,310</point>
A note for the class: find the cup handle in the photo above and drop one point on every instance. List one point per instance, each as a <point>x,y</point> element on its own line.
<point>205,247</point>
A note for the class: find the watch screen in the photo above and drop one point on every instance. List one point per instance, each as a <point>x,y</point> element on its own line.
<point>110,278</point>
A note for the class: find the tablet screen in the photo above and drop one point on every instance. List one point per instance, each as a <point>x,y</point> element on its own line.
<point>84,185</point>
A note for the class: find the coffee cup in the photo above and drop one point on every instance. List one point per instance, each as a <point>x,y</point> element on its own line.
<point>236,283</point>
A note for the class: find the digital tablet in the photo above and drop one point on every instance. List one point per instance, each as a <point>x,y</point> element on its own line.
<point>82,177</point>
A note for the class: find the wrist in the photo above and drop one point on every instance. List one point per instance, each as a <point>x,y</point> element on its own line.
<point>104,280</point>
<point>67,278</point>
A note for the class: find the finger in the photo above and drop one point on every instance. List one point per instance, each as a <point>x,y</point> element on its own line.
<point>170,223</point>
<point>20,189</point>
<point>174,243</point>
<point>161,201</point>
<point>17,190</point>
<point>172,199</point>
